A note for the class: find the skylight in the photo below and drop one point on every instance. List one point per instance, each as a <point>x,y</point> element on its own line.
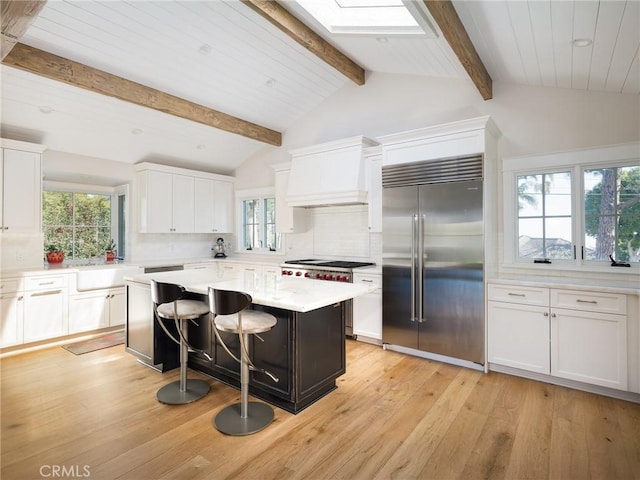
<point>370,17</point>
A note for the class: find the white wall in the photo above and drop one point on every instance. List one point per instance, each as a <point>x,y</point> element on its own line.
<point>531,119</point>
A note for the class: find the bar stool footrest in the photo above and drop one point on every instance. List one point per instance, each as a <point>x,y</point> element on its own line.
<point>171,394</point>
<point>228,420</point>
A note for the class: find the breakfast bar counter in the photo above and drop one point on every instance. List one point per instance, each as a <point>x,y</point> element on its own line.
<point>305,350</point>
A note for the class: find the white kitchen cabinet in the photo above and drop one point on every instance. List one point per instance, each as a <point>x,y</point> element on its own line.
<point>96,309</point>
<point>573,334</point>
<point>45,307</point>
<point>166,202</point>
<point>11,312</point>
<point>367,308</point>
<point>374,168</point>
<point>520,336</point>
<point>21,187</point>
<point>588,345</point>
<point>213,206</point>
<point>155,195</point>
<point>178,200</point>
<point>288,219</point>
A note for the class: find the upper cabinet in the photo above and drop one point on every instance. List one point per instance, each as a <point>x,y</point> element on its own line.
<point>288,219</point>
<point>175,200</point>
<point>213,206</point>
<point>332,173</point>
<point>20,187</point>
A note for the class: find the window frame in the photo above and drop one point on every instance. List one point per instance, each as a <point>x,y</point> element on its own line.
<point>113,192</point>
<point>576,161</point>
<point>260,194</point>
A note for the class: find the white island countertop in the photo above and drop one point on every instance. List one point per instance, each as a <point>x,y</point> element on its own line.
<point>295,294</point>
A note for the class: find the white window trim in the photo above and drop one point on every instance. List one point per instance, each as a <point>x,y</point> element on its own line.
<point>250,194</point>
<point>576,161</point>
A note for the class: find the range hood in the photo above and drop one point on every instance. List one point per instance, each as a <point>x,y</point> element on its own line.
<point>332,173</point>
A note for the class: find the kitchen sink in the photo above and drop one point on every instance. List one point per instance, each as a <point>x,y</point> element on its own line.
<point>105,276</point>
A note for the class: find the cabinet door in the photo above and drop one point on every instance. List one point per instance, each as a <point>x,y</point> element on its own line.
<point>183,204</point>
<point>158,202</point>
<point>11,313</point>
<point>589,347</point>
<point>203,205</point>
<point>375,194</point>
<point>22,191</point>
<point>367,309</point>
<point>45,315</point>
<point>88,311</point>
<point>117,307</point>
<point>519,336</point>
<point>223,207</point>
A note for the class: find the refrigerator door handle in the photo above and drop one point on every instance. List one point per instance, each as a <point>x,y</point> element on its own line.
<point>420,269</point>
<point>414,222</point>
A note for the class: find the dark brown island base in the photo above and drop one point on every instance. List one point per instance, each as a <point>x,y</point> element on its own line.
<point>305,350</point>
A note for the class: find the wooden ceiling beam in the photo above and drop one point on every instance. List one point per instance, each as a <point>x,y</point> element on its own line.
<point>16,17</point>
<point>48,65</point>
<point>445,15</point>
<point>279,16</point>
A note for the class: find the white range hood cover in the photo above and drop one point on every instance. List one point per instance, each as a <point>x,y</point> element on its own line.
<point>332,173</point>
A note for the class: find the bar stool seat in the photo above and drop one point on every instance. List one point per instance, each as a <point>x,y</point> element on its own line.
<point>229,314</point>
<point>169,304</point>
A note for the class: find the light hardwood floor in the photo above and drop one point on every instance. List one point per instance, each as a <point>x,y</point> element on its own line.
<point>392,416</point>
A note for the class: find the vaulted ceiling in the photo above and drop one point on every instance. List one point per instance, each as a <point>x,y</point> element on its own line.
<point>228,77</point>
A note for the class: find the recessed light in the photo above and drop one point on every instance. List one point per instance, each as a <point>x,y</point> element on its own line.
<point>581,42</point>
<point>271,82</point>
<point>382,39</point>
<point>205,49</point>
<point>45,109</point>
<point>136,131</point>
<point>201,146</point>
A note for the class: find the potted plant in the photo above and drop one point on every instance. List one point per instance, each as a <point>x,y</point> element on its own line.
<point>110,251</point>
<point>54,253</point>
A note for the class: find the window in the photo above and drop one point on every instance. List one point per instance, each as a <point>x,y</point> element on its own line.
<point>77,223</point>
<point>544,216</point>
<point>259,224</point>
<point>577,209</point>
<point>612,214</point>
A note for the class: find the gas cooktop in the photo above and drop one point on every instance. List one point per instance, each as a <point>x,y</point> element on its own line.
<point>329,263</point>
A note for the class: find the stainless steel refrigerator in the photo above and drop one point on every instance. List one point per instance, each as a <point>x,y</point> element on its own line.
<point>433,257</point>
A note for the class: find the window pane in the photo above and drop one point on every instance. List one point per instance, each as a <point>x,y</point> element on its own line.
<point>530,195</point>
<point>544,216</point>
<point>612,214</point>
<point>57,208</point>
<point>558,194</point>
<point>61,237</point>
<point>92,210</point>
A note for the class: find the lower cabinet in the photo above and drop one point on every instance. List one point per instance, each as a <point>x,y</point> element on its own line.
<point>11,318</point>
<point>96,309</point>
<point>367,309</point>
<point>45,314</point>
<point>577,335</point>
<point>305,351</point>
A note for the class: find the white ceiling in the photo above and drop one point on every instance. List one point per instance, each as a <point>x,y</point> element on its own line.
<point>223,55</point>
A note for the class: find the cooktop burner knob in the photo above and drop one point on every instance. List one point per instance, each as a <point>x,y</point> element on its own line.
<point>318,275</point>
<point>307,275</point>
<point>298,274</point>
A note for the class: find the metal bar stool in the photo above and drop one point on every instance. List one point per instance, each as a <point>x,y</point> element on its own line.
<point>168,304</point>
<point>229,315</point>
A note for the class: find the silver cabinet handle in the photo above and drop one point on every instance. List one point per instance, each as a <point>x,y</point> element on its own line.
<point>553,315</point>
<point>46,283</point>
<point>516,294</point>
<point>546,314</point>
<point>50,292</point>
<point>586,301</point>
<point>365,280</point>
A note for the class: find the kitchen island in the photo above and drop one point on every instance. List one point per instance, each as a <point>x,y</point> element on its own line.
<point>305,350</point>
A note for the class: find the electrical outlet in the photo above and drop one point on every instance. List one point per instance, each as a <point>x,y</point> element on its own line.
<point>20,255</point>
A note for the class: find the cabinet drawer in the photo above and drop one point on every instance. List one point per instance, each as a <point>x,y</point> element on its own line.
<point>591,301</point>
<point>373,280</point>
<point>45,282</point>
<point>519,294</point>
<point>9,285</point>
